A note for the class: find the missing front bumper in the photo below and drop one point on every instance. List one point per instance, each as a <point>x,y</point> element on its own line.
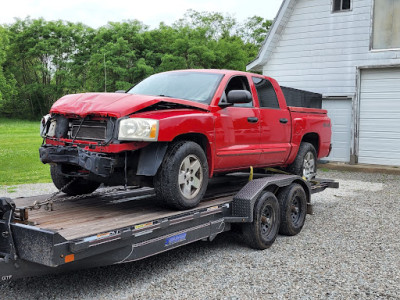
<point>97,163</point>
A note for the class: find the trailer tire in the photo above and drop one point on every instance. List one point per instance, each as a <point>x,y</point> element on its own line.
<point>182,178</point>
<point>262,232</point>
<point>305,163</point>
<point>293,207</point>
<point>80,186</point>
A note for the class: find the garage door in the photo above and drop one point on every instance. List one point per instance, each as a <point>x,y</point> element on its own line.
<point>379,135</point>
<point>340,113</point>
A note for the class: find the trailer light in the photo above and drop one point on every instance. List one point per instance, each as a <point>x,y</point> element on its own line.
<point>138,129</point>
<point>69,258</point>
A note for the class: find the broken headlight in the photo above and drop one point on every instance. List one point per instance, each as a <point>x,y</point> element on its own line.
<point>44,125</point>
<point>138,129</point>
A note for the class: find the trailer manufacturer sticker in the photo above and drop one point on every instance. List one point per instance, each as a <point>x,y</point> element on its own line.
<point>7,277</point>
<point>140,226</point>
<point>175,239</point>
<point>212,208</point>
<point>107,234</point>
<point>102,236</point>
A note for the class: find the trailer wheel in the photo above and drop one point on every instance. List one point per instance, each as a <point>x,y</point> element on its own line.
<point>80,186</point>
<point>182,178</point>
<point>262,233</point>
<point>305,163</point>
<point>293,207</point>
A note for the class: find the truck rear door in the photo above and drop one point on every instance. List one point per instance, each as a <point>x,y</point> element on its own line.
<point>275,123</point>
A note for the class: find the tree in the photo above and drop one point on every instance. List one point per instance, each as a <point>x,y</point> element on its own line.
<point>216,24</point>
<point>254,30</point>
<point>40,60</point>
<point>42,57</point>
<point>7,82</point>
<point>117,56</point>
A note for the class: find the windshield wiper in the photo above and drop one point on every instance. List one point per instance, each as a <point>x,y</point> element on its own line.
<point>165,96</point>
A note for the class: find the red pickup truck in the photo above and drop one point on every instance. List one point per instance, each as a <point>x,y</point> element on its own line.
<point>175,130</point>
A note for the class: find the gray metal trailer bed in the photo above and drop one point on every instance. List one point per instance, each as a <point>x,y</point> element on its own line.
<point>126,225</point>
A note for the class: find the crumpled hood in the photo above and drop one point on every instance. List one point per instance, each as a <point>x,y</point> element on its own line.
<point>111,104</point>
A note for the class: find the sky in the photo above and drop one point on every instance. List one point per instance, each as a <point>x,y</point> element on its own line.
<point>96,13</point>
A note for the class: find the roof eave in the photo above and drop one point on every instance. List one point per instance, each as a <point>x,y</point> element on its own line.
<point>258,63</point>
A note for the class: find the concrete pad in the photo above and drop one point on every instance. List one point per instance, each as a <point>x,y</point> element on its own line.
<point>366,168</point>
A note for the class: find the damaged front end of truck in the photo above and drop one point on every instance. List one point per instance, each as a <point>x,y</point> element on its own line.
<point>90,150</point>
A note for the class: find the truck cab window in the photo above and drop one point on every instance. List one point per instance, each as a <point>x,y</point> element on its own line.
<point>266,93</point>
<point>238,83</point>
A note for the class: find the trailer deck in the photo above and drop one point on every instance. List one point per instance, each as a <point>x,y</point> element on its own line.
<point>76,219</point>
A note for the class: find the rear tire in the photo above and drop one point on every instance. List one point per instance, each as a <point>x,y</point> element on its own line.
<point>305,164</point>
<point>80,186</point>
<point>182,178</point>
<point>261,234</point>
<point>293,206</point>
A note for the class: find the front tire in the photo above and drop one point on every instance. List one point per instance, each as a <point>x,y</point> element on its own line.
<point>182,179</point>
<point>79,186</point>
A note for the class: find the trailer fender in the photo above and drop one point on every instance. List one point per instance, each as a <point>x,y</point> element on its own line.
<point>245,199</point>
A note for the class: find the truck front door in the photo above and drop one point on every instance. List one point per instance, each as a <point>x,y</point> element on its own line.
<point>237,131</point>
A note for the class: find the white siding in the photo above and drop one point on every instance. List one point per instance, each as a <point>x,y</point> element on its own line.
<point>320,51</point>
<point>317,50</point>
<point>379,138</point>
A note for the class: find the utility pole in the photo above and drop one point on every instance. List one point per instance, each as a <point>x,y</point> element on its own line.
<point>105,74</point>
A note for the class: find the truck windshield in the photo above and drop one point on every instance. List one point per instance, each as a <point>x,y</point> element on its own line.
<point>193,86</point>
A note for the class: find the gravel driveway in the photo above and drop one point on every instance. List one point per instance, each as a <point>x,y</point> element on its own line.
<point>349,248</point>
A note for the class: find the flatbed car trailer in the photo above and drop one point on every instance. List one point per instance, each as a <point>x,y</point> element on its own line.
<point>121,226</point>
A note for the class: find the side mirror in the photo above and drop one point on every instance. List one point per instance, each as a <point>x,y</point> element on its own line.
<point>239,96</point>
<point>121,91</point>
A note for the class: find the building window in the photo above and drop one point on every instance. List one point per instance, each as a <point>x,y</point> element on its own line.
<point>386,25</point>
<point>341,5</point>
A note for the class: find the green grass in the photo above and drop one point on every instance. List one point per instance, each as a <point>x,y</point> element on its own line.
<point>19,153</point>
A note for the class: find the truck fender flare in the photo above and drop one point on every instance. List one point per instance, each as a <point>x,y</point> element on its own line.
<point>150,159</point>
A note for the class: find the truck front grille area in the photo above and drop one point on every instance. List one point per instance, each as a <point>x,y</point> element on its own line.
<point>89,130</point>
<point>97,130</point>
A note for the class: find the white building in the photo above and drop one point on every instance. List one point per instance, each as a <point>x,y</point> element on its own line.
<point>349,51</point>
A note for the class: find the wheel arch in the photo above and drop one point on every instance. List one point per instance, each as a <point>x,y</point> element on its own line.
<point>204,143</point>
<point>152,155</point>
<point>313,139</point>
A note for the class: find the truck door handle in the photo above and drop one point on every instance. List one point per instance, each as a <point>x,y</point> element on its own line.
<point>252,119</point>
<point>283,120</point>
